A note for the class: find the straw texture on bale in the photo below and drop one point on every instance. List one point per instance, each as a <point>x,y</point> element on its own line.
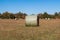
<point>32,20</point>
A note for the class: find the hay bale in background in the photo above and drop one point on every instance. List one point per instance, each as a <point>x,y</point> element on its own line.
<point>32,20</point>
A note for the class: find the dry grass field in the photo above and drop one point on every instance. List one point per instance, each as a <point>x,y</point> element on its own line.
<point>11,29</point>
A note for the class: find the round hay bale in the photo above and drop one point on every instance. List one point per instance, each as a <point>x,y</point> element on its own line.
<point>32,20</point>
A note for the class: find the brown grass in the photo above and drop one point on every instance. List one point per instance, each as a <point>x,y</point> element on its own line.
<point>11,29</point>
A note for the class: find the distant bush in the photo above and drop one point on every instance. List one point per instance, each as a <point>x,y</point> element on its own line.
<point>7,15</point>
<point>46,15</point>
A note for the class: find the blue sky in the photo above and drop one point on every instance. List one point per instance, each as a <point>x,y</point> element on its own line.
<point>30,6</point>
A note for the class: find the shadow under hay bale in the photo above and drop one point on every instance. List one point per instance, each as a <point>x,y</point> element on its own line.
<point>32,20</point>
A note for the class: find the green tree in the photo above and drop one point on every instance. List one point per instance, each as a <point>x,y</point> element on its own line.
<point>6,15</point>
<point>45,15</point>
<point>0,15</point>
<point>59,15</point>
<point>18,15</point>
<point>25,14</point>
<point>12,16</point>
<point>56,14</point>
<point>40,15</point>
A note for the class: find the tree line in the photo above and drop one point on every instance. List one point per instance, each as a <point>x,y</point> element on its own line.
<point>8,15</point>
<point>44,15</point>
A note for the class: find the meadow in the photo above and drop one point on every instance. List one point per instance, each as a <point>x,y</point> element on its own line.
<point>11,29</point>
